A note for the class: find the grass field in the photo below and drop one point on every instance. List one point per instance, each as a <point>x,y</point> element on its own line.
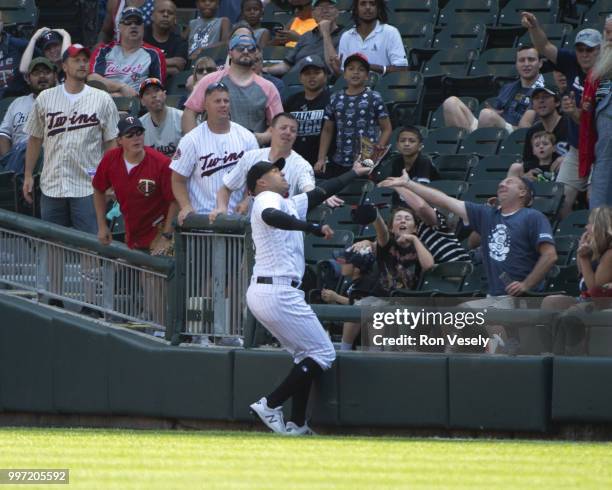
<point>154,459</point>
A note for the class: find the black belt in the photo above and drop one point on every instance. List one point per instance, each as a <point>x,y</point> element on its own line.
<point>270,280</point>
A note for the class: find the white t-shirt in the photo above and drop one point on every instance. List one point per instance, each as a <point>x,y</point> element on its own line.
<point>298,172</point>
<point>15,119</point>
<point>278,252</point>
<point>383,46</point>
<point>165,137</point>
<point>205,158</point>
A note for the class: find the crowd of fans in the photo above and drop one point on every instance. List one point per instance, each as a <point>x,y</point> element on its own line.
<point>194,156</point>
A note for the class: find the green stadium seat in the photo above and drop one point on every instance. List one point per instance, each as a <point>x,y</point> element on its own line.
<point>493,167</point>
<point>173,100</point>
<point>317,248</point>
<point>218,53</point>
<point>480,191</point>
<point>275,54</point>
<point>130,106</point>
<point>598,12</point>
<point>318,214</point>
<point>483,141</point>
<point>379,195</point>
<point>453,188</point>
<point>7,190</point>
<point>455,167</point>
<point>548,198</point>
<point>340,219</point>
<point>441,280</point>
<point>515,142</point>
<point>4,105</point>
<point>443,141</point>
<point>545,11</point>
<point>463,11</point>
<point>355,192</point>
<point>417,39</point>
<point>557,34</point>
<point>566,246</point>
<point>436,118</point>
<point>574,223</point>
<point>419,11</point>
<point>176,84</point>
<point>461,36</point>
<point>475,283</point>
<point>566,281</point>
<point>24,12</point>
<point>403,94</point>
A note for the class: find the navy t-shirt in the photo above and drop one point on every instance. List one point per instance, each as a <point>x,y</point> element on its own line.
<point>11,80</point>
<point>509,243</point>
<point>567,64</point>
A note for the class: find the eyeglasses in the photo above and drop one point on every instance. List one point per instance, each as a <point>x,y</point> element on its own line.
<point>584,49</point>
<point>131,134</point>
<point>245,47</point>
<point>136,22</point>
<point>209,69</point>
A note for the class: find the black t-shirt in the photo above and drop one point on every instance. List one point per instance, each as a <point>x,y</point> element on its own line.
<point>309,114</point>
<point>399,266</point>
<point>174,47</point>
<point>422,171</point>
<point>561,146</point>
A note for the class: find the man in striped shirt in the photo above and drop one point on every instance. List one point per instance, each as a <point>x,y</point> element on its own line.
<point>75,123</point>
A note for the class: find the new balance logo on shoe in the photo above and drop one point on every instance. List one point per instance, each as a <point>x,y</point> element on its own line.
<point>271,418</point>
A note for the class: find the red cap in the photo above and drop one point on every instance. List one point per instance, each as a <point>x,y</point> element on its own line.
<point>359,57</point>
<point>73,50</point>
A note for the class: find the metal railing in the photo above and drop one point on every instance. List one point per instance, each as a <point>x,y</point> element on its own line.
<point>71,266</point>
<point>214,261</point>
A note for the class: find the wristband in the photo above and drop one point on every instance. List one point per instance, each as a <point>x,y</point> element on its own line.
<point>315,229</point>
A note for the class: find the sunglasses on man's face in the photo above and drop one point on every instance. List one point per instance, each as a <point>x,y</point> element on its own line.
<point>246,47</point>
<point>135,22</point>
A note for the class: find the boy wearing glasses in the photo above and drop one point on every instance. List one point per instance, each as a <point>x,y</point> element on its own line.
<point>123,66</point>
<point>254,100</point>
<point>574,65</point>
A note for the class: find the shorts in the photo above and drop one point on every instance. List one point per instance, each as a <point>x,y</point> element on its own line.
<point>568,173</point>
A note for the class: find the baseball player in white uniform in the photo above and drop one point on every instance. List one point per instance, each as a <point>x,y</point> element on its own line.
<point>76,124</point>
<point>298,171</point>
<point>273,297</point>
<point>207,154</point>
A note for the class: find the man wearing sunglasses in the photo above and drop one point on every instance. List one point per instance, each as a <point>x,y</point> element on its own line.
<point>254,101</point>
<point>574,65</point>
<point>123,66</point>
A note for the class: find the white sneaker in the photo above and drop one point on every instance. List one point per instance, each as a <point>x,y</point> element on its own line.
<point>272,417</point>
<point>294,430</point>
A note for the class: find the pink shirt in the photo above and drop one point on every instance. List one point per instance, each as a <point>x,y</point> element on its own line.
<point>252,105</point>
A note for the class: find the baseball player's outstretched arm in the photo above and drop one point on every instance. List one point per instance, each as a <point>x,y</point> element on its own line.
<point>279,219</point>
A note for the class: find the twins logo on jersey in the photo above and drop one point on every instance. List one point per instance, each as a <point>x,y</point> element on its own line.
<point>147,187</point>
<point>59,123</point>
<point>212,164</point>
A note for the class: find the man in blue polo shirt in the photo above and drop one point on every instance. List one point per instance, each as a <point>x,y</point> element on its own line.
<point>574,64</point>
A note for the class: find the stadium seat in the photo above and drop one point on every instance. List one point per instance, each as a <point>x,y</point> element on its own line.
<point>455,167</point>
<point>275,54</point>
<point>574,223</point>
<point>483,141</point>
<point>514,142</point>
<point>129,106</point>
<point>403,93</point>
<point>218,53</point>
<point>436,118</point>
<point>176,84</point>
<point>461,36</point>
<point>453,188</point>
<point>493,167</point>
<point>4,105</point>
<point>7,190</point>
<point>19,12</point>
<point>418,11</point>
<point>273,12</point>
<point>355,191</point>
<point>379,195</point>
<point>557,34</point>
<point>443,141</point>
<point>340,219</point>
<point>184,16</point>
<point>566,282</point>
<point>318,214</point>
<point>598,12</point>
<point>475,283</point>
<point>480,191</point>
<point>462,11</point>
<point>566,247</point>
<point>545,10</point>
<point>318,248</point>
<point>548,198</point>
<point>417,39</point>
<point>444,279</point>
<point>174,101</point>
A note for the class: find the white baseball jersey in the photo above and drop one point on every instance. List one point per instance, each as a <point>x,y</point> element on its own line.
<point>16,118</point>
<point>280,307</point>
<point>165,137</point>
<point>74,128</point>
<point>205,158</point>
<point>298,172</point>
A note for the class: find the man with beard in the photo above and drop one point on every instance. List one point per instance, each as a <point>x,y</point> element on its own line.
<point>162,123</point>
<point>254,100</point>
<point>123,66</point>
<point>75,123</point>
<point>511,106</point>
<point>13,139</point>
<point>322,41</point>
<point>574,65</point>
<point>372,36</point>
<point>161,35</point>
<point>207,154</point>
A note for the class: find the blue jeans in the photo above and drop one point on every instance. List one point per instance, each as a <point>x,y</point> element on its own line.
<point>78,212</point>
<point>601,180</point>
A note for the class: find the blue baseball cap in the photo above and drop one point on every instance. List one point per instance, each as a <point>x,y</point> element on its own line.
<point>241,39</point>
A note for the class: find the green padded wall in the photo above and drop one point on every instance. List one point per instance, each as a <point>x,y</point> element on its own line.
<point>499,392</point>
<point>393,389</point>
<point>582,389</point>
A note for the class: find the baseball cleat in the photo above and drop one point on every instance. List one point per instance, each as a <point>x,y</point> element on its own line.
<point>294,430</point>
<point>272,417</point>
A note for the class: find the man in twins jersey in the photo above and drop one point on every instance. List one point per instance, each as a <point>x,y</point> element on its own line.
<point>207,153</point>
<point>122,66</point>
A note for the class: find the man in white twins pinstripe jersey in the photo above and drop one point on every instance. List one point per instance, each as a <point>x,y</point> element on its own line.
<point>75,124</point>
<point>207,153</point>
<point>273,297</point>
